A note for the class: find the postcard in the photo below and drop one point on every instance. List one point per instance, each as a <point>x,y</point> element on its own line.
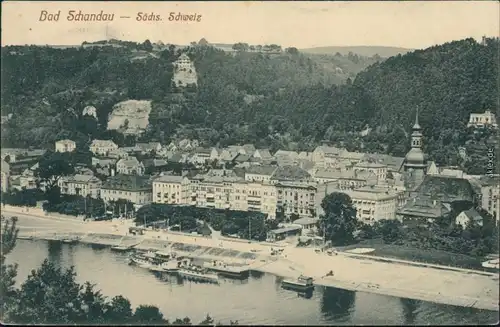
<point>250,162</point>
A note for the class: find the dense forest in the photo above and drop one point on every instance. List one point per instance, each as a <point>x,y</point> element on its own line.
<point>287,100</point>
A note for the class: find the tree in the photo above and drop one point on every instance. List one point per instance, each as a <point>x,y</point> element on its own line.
<point>147,46</point>
<point>391,230</point>
<point>148,314</point>
<point>339,219</point>
<point>8,273</point>
<point>51,167</point>
<point>294,217</point>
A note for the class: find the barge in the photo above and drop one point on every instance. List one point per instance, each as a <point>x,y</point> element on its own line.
<point>301,284</point>
<point>226,270</point>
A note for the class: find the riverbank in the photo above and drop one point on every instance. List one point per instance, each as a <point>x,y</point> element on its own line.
<point>453,287</point>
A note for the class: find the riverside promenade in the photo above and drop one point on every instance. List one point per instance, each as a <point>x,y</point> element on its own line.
<point>439,284</point>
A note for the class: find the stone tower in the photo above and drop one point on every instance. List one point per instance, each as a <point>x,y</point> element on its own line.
<point>415,165</point>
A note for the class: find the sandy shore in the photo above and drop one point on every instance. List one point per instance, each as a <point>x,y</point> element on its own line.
<point>458,287</point>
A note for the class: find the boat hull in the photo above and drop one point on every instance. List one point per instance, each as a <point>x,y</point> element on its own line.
<point>296,287</point>
<point>198,277</point>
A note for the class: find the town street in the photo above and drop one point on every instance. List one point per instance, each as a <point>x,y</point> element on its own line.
<point>455,287</point>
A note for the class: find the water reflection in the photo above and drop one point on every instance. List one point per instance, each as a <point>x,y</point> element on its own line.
<point>409,310</point>
<point>55,252</point>
<point>337,303</point>
<point>256,274</point>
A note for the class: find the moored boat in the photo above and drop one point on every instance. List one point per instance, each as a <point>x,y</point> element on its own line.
<point>301,284</point>
<point>142,262</point>
<point>166,266</point>
<point>29,238</point>
<point>198,275</point>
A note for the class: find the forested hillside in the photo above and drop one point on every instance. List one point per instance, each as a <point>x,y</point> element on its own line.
<point>287,100</point>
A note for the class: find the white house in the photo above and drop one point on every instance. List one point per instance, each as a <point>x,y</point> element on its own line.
<point>481,120</point>
<point>130,166</point>
<point>102,147</point>
<point>65,146</point>
<point>467,216</point>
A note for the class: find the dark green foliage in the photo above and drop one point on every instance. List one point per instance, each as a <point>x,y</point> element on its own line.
<point>228,222</point>
<point>24,197</point>
<point>338,223</point>
<point>76,205</point>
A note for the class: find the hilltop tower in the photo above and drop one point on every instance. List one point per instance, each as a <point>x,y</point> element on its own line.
<point>415,165</point>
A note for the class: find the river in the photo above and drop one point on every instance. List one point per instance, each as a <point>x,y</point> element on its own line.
<point>257,300</point>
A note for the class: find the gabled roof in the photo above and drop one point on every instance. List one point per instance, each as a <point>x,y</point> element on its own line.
<point>242,158</point>
<point>424,207</point>
<point>128,183</point>
<point>290,173</point>
<point>264,153</point>
<point>446,189</point>
<point>473,215</point>
<point>261,170</point>
<point>103,143</point>
<point>129,162</point>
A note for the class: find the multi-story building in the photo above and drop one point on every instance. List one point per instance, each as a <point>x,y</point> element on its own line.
<point>212,191</point>
<point>490,195</point>
<point>481,120</point>
<point>134,188</point>
<point>102,147</point>
<point>65,146</point>
<point>5,171</point>
<point>254,196</point>
<point>326,156</point>
<point>130,166</point>
<point>172,190</point>
<point>346,180</point>
<point>84,185</point>
<point>372,204</point>
<point>296,197</point>
<point>379,170</point>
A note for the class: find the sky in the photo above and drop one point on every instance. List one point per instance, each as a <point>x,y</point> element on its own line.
<point>300,24</point>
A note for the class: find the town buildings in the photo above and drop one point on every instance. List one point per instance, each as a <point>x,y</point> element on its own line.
<point>130,166</point>
<point>102,147</point>
<point>65,146</point>
<point>171,190</point>
<point>84,185</point>
<point>371,204</point>
<point>133,188</point>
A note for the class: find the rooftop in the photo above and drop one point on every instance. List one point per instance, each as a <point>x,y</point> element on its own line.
<point>306,221</point>
<point>261,170</point>
<point>128,183</point>
<point>446,189</point>
<point>290,173</point>
<point>169,179</point>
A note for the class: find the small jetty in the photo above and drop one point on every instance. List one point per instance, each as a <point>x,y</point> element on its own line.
<point>302,284</point>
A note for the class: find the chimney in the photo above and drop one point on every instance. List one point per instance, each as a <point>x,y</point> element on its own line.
<point>434,202</point>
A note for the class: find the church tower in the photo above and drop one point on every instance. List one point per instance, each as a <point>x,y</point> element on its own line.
<point>415,165</point>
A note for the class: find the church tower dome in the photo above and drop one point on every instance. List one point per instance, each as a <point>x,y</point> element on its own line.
<point>415,166</point>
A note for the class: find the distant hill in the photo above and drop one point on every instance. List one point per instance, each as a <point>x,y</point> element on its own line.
<point>367,51</point>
